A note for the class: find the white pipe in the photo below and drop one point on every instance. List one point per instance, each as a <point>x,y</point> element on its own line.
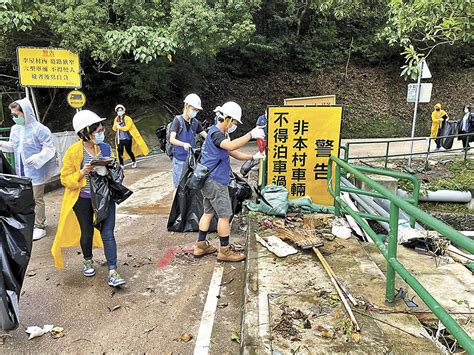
<point>441,196</point>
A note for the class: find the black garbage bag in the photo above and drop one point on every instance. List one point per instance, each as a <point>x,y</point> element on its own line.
<point>450,128</point>
<point>239,191</point>
<point>119,192</point>
<point>187,207</point>
<point>5,167</point>
<point>101,197</point>
<point>247,166</point>
<point>17,216</point>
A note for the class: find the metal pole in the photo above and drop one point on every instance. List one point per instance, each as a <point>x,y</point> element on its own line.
<point>392,253</point>
<point>35,105</point>
<point>417,98</point>
<point>27,92</point>
<point>386,154</point>
<point>337,210</point>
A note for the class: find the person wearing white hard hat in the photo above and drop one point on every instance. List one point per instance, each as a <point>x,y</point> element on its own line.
<point>127,137</point>
<point>35,156</point>
<point>215,155</point>
<point>75,225</point>
<point>184,129</point>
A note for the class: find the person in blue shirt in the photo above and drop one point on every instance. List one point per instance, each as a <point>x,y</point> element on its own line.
<point>466,125</point>
<point>184,129</point>
<point>215,155</point>
<point>35,156</point>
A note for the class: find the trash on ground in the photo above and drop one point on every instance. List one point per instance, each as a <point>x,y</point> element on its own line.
<point>340,228</point>
<point>35,331</point>
<point>276,245</point>
<point>57,332</point>
<point>235,337</point>
<point>185,338</point>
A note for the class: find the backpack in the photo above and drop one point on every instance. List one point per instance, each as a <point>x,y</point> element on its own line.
<point>168,145</point>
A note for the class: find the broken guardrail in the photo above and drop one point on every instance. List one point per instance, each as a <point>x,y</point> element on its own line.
<point>390,251</point>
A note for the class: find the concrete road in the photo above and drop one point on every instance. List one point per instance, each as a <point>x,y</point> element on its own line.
<point>166,287</point>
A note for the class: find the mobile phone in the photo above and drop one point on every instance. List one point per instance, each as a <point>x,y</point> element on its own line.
<point>101,162</point>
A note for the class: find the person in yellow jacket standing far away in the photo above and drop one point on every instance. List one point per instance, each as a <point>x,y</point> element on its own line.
<point>76,218</point>
<point>128,137</point>
<point>437,118</point>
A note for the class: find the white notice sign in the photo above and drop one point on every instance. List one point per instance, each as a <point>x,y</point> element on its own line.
<point>425,92</point>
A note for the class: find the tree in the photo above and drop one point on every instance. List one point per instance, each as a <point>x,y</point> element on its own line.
<point>422,25</point>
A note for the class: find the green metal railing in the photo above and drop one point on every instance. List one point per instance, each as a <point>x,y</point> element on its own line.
<point>390,251</point>
<point>10,157</point>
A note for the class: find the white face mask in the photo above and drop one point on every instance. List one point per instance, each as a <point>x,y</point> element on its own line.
<point>120,113</point>
<point>232,129</point>
<point>466,110</point>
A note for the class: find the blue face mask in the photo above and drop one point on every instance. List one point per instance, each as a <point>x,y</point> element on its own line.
<point>192,114</point>
<point>232,129</point>
<point>99,138</point>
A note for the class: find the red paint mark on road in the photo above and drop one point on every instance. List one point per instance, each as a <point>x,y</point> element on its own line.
<point>165,261</point>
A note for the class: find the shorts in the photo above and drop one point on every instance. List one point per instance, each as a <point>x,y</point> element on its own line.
<point>216,199</point>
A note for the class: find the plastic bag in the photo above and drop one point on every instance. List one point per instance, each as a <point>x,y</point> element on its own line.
<point>16,235</point>
<point>449,129</point>
<point>239,191</point>
<point>247,166</point>
<point>305,205</point>
<point>101,197</point>
<point>277,197</point>
<point>5,167</point>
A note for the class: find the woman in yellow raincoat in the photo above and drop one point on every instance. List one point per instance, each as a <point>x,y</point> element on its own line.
<point>128,137</point>
<point>75,225</point>
<point>437,118</point>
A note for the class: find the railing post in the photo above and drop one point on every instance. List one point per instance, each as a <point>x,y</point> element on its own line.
<point>337,190</point>
<point>386,154</point>
<point>392,253</point>
<point>346,152</point>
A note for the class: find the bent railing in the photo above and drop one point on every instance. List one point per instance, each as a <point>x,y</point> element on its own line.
<point>390,251</point>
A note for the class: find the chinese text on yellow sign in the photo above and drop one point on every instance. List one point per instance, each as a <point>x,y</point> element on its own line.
<point>300,142</point>
<point>47,67</point>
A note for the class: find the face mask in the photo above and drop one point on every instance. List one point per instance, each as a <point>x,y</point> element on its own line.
<point>192,114</point>
<point>99,138</point>
<point>19,120</point>
<point>232,128</point>
<point>466,110</point>
<point>437,109</point>
<point>120,113</point>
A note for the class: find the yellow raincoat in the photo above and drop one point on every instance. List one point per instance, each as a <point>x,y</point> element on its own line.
<point>69,231</point>
<point>139,146</point>
<point>436,120</point>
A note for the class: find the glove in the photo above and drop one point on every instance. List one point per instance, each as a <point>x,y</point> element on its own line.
<point>117,124</point>
<point>33,160</point>
<point>186,146</point>
<point>101,170</point>
<point>257,132</point>
<point>258,156</point>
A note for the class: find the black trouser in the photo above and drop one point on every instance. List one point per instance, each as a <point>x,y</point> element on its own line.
<point>465,140</point>
<point>439,140</point>
<point>128,147</point>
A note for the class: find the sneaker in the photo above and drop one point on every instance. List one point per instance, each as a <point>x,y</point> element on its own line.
<point>203,248</point>
<point>88,270</point>
<point>116,280</point>
<point>134,165</point>
<point>229,253</point>
<point>38,233</point>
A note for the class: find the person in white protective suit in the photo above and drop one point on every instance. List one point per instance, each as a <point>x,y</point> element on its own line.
<point>35,156</point>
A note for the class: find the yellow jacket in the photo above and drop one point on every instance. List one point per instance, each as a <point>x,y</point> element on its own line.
<point>436,120</point>
<point>139,146</point>
<point>69,231</point>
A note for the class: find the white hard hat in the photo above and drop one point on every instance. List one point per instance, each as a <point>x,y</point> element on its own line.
<point>85,118</point>
<point>119,106</point>
<point>231,109</point>
<point>194,101</point>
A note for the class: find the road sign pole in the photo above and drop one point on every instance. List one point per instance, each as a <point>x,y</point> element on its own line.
<point>35,105</point>
<point>417,98</point>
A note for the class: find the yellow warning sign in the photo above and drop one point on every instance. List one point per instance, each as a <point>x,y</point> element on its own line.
<point>76,99</point>
<point>300,142</point>
<point>48,67</point>
<point>311,100</point>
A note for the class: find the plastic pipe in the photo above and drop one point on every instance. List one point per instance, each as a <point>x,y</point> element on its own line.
<point>441,196</point>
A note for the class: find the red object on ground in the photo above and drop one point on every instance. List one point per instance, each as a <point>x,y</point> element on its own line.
<point>262,144</point>
<point>164,262</point>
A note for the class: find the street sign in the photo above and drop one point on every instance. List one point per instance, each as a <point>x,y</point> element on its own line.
<point>311,100</point>
<point>425,71</point>
<point>48,68</point>
<point>300,141</point>
<point>425,92</point>
<point>76,99</point>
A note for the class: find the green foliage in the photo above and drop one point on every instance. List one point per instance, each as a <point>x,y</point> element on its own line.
<point>422,25</point>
